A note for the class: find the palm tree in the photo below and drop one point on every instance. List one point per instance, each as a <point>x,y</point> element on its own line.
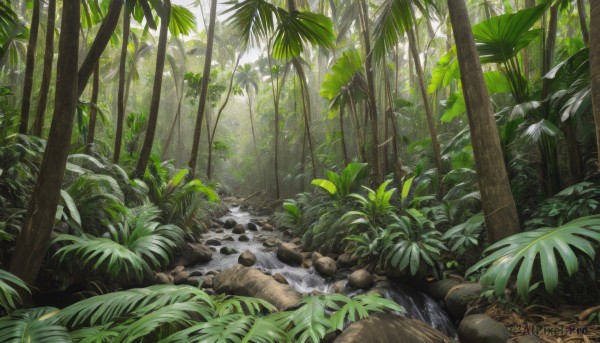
<point>94,101</point>
<point>38,125</point>
<point>247,79</point>
<point>29,68</point>
<point>499,209</point>
<point>33,241</point>
<point>121,90</point>
<point>204,90</point>
<point>165,15</point>
<point>595,67</point>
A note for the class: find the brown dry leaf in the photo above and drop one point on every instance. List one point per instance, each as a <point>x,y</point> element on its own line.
<point>584,314</point>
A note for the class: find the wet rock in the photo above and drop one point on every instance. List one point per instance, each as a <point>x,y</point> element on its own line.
<point>459,296</point>
<point>194,281</point>
<point>289,253</point>
<point>271,242</point>
<point>181,277</point>
<point>177,269</point>
<point>390,328</point>
<point>163,278</point>
<point>280,278</point>
<point>246,281</point>
<point>229,224</point>
<point>213,249</point>
<point>244,238</point>
<point>307,263</point>
<point>268,227</point>
<point>215,225</point>
<point>239,229</point>
<point>252,227</point>
<point>247,258</point>
<point>296,240</point>
<point>207,281</point>
<point>315,256</point>
<point>212,272</point>
<point>228,251</point>
<point>212,242</point>
<point>482,328</point>
<point>219,231</point>
<point>195,273</point>
<point>360,279</point>
<point>439,289</point>
<point>347,260</point>
<point>326,266</point>
<point>229,238</point>
<point>260,222</point>
<point>339,287</point>
<point>192,253</point>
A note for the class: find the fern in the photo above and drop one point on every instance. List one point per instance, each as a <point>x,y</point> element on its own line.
<point>9,290</point>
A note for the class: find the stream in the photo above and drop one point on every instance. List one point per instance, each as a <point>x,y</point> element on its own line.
<point>418,305</point>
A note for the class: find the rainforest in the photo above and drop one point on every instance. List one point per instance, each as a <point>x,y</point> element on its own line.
<point>379,171</point>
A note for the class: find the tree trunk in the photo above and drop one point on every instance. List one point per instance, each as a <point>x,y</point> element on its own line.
<point>253,132</point>
<point>29,68</point>
<point>204,89</point>
<point>343,136</point>
<point>94,110</point>
<point>38,125</point>
<point>121,92</point>
<point>102,38</point>
<point>437,157</point>
<point>142,162</point>
<point>306,112</point>
<point>595,67</point>
<point>33,241</point>
<point>583,22</point>
<point>276,91</point>
<point>501,218</point>
<point>371,99</point>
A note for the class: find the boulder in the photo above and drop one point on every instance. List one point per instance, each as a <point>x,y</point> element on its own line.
<point>361,279</point>
<point>268,227</point>
<point>251,282</point>
<point>229,224</point>
<point>439,289</point>
<point>163,278</point>
<point>307,263</point>
<point>252,227</point>
<point>289,253</point>
<point>238,229</point>
<point>229,238</point>
<point>314,256</point>
<point>296,240</point>
<point>194,281</point>
<point>339,287</point>
<point>195,273</point>
<point>260,222</point>
<point>247,258</point>
<point>215,225</point>
<point>219,231</point>
<point>271,242</point>
<point>326,266</point>
<point>459,296</point>
<point>347,260</point>
<point>244,238</point>
<point>280,278</point>
<point>180,277</point>
<point>481,328</point>
<point>177,269</point>
<point>228,251</point>
<point>207,281</point>
<point>390,328</point>
<point>212,242</point>
<point>192,253</point>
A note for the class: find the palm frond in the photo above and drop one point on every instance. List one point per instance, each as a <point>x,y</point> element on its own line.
<point>33,325</point>
<point>9,290</point>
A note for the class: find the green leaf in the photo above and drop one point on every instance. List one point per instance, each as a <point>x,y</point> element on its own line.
<point>33,325</point>
<point>9,290</point>
<point>326,185</point>
<point>346,81</point>
<point>544,247</point>
<point>405,190</point>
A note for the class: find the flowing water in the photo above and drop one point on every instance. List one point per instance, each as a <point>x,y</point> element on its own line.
<point>418,305</point>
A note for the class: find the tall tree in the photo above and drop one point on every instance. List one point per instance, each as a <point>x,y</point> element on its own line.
<point>38,124</point>
<point>501,218</point>
<point>94,101</point>
<point>165,15</point>
<point>204,91</point>
<point>595,67</point>
<point>33,241</point>
<point>29,67</point>
<point>121,90</point>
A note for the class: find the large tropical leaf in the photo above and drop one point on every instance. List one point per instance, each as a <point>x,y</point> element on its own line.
<point>251,20</point>
<point>346,80</point>
<point>182,21</point>
<point>296,29</point>
<point>9,290</point>
<point>446,70</point>
<point>33,325</point>
<point>545,247</point>
<point>360,307</point>
<point>500,38</point>
<point>394,18</point>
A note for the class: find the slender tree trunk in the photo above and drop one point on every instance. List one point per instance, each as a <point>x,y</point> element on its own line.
<point>121,91</point>
<point>38,125</point>
<point>204,90</point>
<point>142,162</point>
<point>343,138</point>
<point>29,68</point>
<point>306,112</point>
<point>501,218</point>
<point>100,41</point>
<point>176,120</point>
<point>276,91</point>
<point>371,99</point>
<point>253,132</point>
<point>94,110</point>
<point>211,137</point>
<point>437,156</point>
<point>583,22</point>
<point>595,67</point>
<point>32,243</point>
